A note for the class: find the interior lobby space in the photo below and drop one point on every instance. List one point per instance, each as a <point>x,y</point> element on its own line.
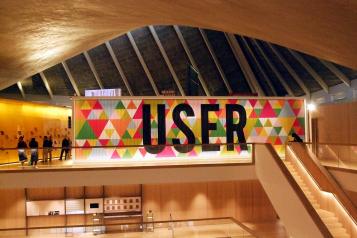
<point>178,119</point>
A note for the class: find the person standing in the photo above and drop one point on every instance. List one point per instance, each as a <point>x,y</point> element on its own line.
<point>34,152</point>
<point>46,149</point>
<point>50,147</point>
<point>65,148</point>
<point>21,147</point>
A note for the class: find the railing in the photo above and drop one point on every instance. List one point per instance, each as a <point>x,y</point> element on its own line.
<point>336,155</point>
<point>216,227</point>
<point>127,155</point>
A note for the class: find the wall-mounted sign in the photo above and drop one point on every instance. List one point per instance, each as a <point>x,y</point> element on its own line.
<point>178,121</point>
<point>113,92</point>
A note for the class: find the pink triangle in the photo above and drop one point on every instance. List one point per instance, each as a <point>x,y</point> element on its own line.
<point>103,142</point>
<point>267,111</point>
<point>296,111</point>
<point>139,112</point>
<point>212,101</point>
<point>278,141</point>
<point>97,126</point>
<point>86,144</point>
<point>253,102</point>
<point>97,105</point>
<point>137,134</point>
<point>115,155</point>
<point>167,152</point>
<point>86,113</point>
<point>142,151</point>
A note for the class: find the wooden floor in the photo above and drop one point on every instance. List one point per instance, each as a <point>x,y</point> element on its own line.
<point>268,230</point>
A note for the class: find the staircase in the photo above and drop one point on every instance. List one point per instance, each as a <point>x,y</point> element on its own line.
<point>329,218</point>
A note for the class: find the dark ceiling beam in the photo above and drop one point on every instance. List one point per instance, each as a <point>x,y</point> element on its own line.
<point>47,85</point>
<point>216,61</point>
<point>244,65</point>
<point>310,70</point>
<point>71,79</point>
<point>119,68</point>
<point>21,89</point>
<point>262,71</point>
<point>192,61</point>
<point>143,64</point>
<point>274,69</point>
<point>291,71</point>
<point>337,72</point>
<point>92,68</point>
<point>167,60</point>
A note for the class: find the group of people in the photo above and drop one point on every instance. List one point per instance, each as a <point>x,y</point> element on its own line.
<point>47,150</point>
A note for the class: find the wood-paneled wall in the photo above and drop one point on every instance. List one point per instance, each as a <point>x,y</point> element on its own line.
<point>244,200</point>
<point>337,123</point>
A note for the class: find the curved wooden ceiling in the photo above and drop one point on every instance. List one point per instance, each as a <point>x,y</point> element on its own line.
<point>37,34</point>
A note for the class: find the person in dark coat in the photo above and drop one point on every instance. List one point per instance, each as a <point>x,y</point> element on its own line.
<point>34,151</point>
<point>65,148</point>
<point>21,146</point>
<point>46,149</point>
<point>50,147</point>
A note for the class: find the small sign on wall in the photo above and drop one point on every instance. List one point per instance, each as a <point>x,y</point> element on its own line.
<point>113,92</point>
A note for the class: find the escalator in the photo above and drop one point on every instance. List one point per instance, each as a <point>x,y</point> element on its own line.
<point>308,201</point>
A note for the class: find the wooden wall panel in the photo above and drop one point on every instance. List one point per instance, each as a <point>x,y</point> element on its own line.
<point>46,221</point>
<point>45,193</point>
<point>263,210</point>
<point>220,199</point>
<point>74,192</point>
<point>244,200</point>
<point>122,190</point>
<point>336,123</point>
<point>12,208</point>
<point>76,220</point>
<point>31,120</point>
<point>152,200</point>
<point>94,192</point>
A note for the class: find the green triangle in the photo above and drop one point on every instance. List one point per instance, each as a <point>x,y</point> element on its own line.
<point>86,132</point>
<point>126,135</point>
<point>277,129</point>
<point>127,154</point>
<point>301,121</point>
<point>258,124</point>
<point>153,124</point>
<point>120,105</point>
<point>268,123</point>
<point>277,111</point>
<point>258,111</point>
<point>220,131</point>
<point>175,131</point>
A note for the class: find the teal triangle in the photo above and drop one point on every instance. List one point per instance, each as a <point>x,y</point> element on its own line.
<point>86,132</point>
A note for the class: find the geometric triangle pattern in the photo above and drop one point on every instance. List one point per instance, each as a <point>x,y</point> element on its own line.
<point>118,122</point>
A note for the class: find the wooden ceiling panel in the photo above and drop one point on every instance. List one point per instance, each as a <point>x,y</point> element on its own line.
<point>35,35</point>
